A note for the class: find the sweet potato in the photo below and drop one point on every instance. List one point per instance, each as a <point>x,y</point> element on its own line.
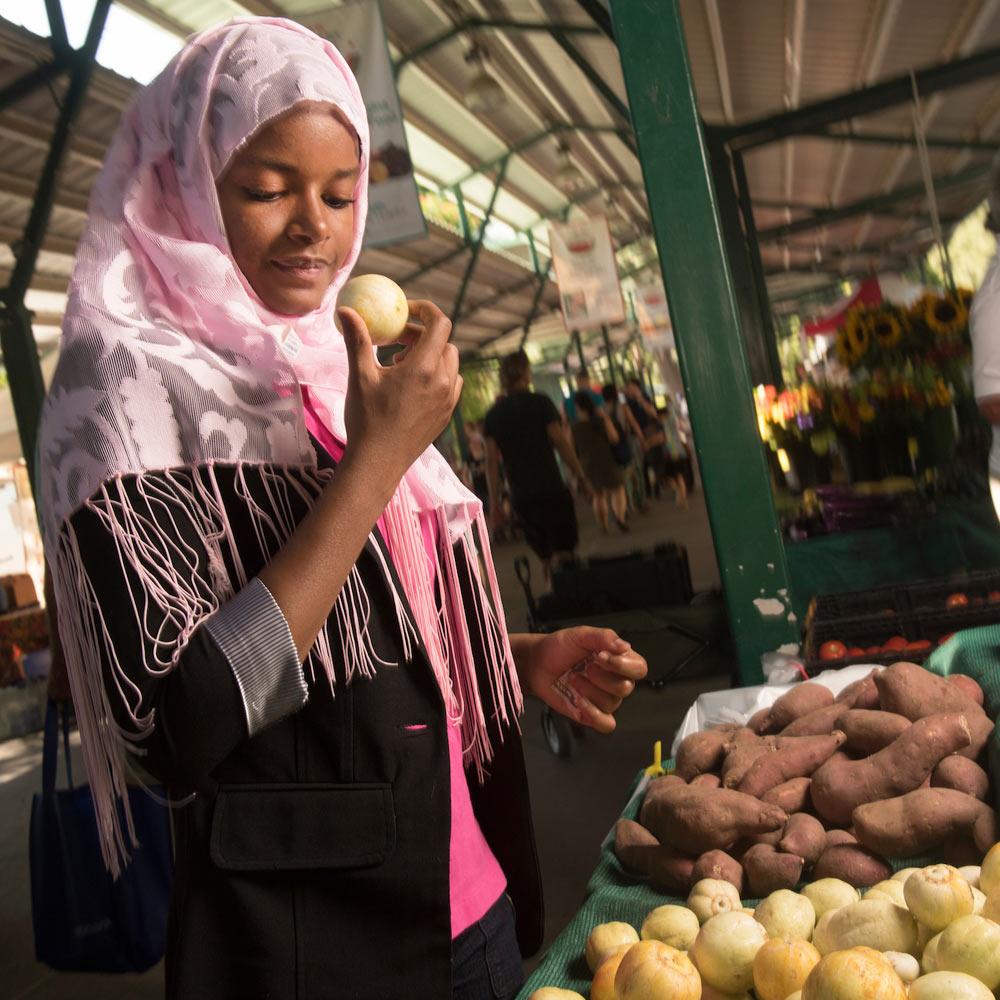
<point>707,781</point>
<point>960,851</point>
<point>702,752</point>
<point>670,871</point>
<point>793,757</point>
<point>821,722</point>
<point>839,787</point>
<point>803,835</point>
<point>970,686</point>
<point>852,864</point>
<point>741,755</point>
<point>759,721</point>
<point>922,821</point>
<point>800,700</point>
<point>860,694</point>
<point>695,820</point>
<point>836,837</point>
<point>718,865</point>
<point>657,788</point>
<point>770,838</point>
<point>791,795</point>
<point>963,775</point>
<point>869,731</point>
<point>914,692</point>
<point>634,846</point>
<point>766,870</point>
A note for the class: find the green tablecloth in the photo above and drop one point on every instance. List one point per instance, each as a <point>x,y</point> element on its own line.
<point>963,535</point>
<point>611,894</point>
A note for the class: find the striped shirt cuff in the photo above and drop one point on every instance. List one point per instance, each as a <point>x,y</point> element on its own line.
<point>253,635</point>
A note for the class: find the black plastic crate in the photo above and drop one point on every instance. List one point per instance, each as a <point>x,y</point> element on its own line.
<point>932,595</point>
<point>876,602</point>
<point>866,632</point>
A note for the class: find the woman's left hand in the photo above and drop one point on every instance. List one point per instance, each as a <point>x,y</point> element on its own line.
<point>583,673</point>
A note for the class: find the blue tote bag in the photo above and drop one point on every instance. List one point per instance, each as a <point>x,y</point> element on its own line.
<point>84,920</point>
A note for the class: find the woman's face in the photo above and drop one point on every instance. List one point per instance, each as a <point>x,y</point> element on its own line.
<point>287,203</point>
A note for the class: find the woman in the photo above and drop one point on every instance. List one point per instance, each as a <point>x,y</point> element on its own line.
<point>595,436</point>
<point>268,586</point>
<point>675,466</point>
<point>625,455</point>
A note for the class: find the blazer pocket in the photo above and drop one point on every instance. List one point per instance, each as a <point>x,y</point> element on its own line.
<point>294,827</point>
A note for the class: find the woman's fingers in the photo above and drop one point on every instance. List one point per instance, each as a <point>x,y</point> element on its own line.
<point>610,681</point>
<point>575,703</point>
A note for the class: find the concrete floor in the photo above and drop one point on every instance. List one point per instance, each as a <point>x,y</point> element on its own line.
<point>575,799</point>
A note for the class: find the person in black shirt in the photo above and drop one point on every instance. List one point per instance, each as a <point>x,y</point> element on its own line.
<point>524,430</point>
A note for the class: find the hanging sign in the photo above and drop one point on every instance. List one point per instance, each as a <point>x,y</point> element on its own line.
<point>357,29</point>
<point>651,310</point>
<point>587,273</point>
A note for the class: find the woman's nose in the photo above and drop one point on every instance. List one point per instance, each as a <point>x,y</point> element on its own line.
<point>309,223</point>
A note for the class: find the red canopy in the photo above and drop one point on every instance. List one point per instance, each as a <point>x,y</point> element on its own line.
<point>869,293</point>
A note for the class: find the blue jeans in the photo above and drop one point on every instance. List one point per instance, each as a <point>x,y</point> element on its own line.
<point>485,959</point>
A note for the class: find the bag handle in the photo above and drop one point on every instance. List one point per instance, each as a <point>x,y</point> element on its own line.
<point>50,746</point>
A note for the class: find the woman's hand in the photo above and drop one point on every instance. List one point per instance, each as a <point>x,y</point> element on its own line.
<point>394,413</point>
<point>583,673</point>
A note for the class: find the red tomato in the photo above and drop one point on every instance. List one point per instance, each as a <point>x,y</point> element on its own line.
<point>918,646</point>
<point>945,638</point>
<point>895,645</point>
<point>855,651</point>
<point>958,600</point>
<point>873,649</point>
<point>832,649</point>
<point>993,596</point>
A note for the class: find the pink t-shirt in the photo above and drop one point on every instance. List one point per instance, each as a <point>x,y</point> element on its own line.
<point>476,878</point>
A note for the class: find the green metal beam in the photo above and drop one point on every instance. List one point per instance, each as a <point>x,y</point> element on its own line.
<point>543,280</point>
<point>57,26</point>
<point>769,334</point>
<point>537,137</point>
<point>748,540</point>
<point>599,12</point>
<point>875,204</point>
<point>896,139</point>
<point>17,341</point>
<point>498,296</point>
<point>482,23</point>
<point>866,101</point>
<point>477,245</point>
<point>33,80</point>
<point>434,264</point>
<point>595,79</point>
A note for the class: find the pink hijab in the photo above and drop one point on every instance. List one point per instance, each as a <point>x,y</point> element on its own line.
<point>170,362</point>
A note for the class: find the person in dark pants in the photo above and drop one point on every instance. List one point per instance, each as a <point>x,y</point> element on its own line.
<point>595,437</point>
<point>523,429</point>
<point>270,586</point>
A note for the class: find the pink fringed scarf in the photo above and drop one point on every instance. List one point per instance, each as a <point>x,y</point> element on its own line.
<point>171,363</point>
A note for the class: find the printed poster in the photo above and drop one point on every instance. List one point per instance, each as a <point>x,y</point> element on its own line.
<point>357,29</point>
<point>587,273</point>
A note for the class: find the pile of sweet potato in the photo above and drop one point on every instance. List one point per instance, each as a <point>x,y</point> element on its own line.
<point>891,767</point>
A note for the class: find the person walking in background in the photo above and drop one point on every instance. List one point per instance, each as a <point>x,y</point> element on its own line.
<point>628,451</point>
<point>477,461</point>
<point>675,454</point>
<point>524,431</point>
<point>595,437</point>
<point>583,384</point>
<point>647,419</point>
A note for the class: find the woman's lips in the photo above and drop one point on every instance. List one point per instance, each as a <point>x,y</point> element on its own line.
<point>302,270</point>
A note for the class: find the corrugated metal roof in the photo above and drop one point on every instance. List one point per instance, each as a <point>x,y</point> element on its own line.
<point>748,60</point>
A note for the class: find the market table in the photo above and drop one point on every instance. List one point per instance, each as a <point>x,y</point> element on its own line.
<point>611,894</point>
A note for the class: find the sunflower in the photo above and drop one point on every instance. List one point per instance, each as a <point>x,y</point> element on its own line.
<point>887,330</point>
<point>946,315</point>
<point>842,348</point>
<point>858,330</point>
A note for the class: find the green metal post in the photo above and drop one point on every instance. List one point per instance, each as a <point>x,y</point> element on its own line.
<point>477,244</point>
<point>768,334</point>
<point>463,216</point>
<point>738,254</point>
<point>534,253</point>
<point>706,323</point>
<point>17,341</point>
<point>578,344</point>
<point>612,368</point>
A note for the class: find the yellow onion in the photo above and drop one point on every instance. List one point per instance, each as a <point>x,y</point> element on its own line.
<point>786,914</point>
<point>671,924</point>
<point>830,894</point>
<point>781,967</point>
<point>853,974</point>
<point>654,969</point>
<point>725,949</point>
<point>605,939</point>
<point>712,896</point>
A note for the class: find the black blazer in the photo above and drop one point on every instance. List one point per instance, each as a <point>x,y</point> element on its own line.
<point>313,862</point>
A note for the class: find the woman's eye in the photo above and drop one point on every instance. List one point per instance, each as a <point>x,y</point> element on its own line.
<point>338,202</point>
<point>259,195</point>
